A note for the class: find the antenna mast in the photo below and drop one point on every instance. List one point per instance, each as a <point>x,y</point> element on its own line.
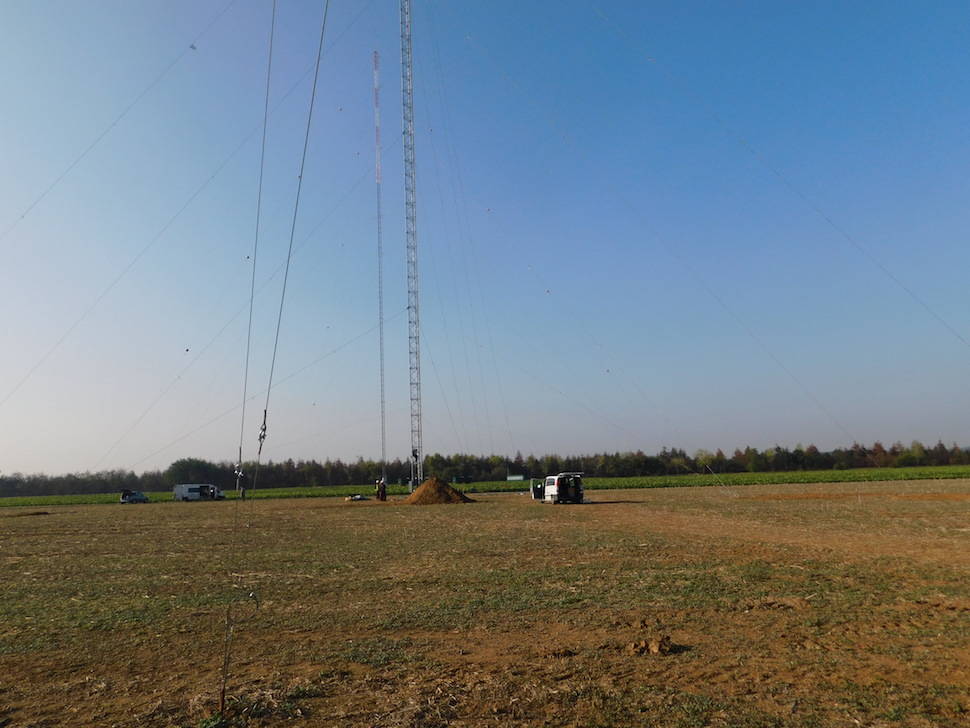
<point>414,341</point>
<point>380,260</point>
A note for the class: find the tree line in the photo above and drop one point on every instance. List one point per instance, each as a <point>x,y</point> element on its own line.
<point>462,468</point>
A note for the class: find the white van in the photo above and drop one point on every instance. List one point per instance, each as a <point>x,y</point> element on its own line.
<point>197,491</point>
<point>562,488</point>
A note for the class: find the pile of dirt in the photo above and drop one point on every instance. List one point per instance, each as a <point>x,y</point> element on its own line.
<point>434,491</point>
<point>657,641</point>
<point>657,645</point>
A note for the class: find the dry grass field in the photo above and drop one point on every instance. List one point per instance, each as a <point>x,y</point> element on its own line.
<point>809,605</point>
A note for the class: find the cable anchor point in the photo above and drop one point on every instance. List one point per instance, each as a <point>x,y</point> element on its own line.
<point>262,430</point>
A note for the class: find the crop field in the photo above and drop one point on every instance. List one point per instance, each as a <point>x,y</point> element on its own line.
<point>809,605</point>
<point>856,475</point>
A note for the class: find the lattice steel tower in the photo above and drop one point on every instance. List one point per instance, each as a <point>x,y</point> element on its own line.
<point>414,329</point>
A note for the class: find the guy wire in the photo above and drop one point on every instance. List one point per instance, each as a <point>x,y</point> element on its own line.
<point>229,622</point>
<point>252,282</point>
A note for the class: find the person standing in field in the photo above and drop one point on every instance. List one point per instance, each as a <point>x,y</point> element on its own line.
<point>381,488</point>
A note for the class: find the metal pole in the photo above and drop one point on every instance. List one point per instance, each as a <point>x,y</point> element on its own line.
<point>380,260</point>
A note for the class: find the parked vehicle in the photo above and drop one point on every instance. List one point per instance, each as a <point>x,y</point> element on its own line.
<point>133,496</point>
<point>561,488</point>
<point>197,491</point>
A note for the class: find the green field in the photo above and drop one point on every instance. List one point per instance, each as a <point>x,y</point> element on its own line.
<point>861,475</point>
<point>338,491</point>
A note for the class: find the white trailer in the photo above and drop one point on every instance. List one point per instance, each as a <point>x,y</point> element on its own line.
<point>561,488</point>
<point>197,491</point>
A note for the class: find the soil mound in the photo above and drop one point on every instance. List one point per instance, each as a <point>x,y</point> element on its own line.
<point>658,645</point>
<point>434,491</point>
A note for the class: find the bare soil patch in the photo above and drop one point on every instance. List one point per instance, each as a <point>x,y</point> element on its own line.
<point>684,608</point>
<point>847,496</point>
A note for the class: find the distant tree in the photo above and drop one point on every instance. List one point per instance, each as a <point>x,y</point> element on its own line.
<point>574,464</point>
<point>914,455</point>
<point>704,460</point>
<point>195,470</point>
<point>880,456</point>
<point>550,465</point>
<point>814,459</point>
<point>152,481</point>
<point>754,461</point>
<point>336,473</point>
<point>939,455</point>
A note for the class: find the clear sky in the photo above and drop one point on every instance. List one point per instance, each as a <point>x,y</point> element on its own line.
<point>641,224</point>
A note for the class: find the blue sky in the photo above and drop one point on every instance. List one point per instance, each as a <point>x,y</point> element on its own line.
<point>701,224</point>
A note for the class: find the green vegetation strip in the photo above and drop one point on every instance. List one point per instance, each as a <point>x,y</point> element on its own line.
<point>860,475</point>
<point>336,491</point>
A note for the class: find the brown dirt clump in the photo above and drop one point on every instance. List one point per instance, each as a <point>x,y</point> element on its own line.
<point>657,645</point>
<point>434,491</point>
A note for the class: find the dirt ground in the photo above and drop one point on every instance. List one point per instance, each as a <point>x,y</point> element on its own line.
<point>809,606</point>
